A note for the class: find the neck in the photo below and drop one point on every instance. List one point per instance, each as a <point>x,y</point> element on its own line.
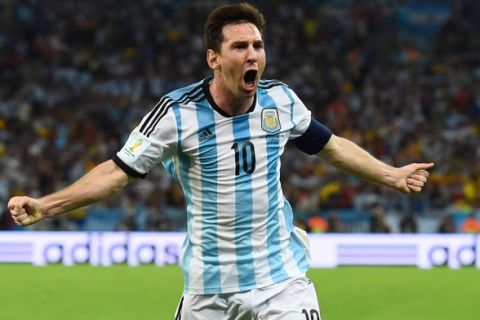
<point>229,103</point>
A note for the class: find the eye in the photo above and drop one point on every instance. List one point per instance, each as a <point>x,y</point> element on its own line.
<point>258,45</point>
<point>240,46</point>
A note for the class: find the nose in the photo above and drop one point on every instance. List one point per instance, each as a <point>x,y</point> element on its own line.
<point>252,55</point>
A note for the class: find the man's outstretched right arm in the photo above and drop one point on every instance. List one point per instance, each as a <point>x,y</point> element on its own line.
<point>101,182</point>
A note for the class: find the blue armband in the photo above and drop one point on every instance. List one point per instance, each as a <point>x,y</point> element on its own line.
<point>314,139</point>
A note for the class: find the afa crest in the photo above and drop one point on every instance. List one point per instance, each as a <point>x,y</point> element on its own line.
<point>270,120</point>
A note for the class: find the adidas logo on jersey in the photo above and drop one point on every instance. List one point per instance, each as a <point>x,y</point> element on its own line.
<point>205,135</point>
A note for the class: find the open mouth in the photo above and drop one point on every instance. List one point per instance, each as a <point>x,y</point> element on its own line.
<point>250,76</point>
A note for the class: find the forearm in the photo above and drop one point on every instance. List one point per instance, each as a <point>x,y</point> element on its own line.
<point>349,157</point>
<point>101,182</point>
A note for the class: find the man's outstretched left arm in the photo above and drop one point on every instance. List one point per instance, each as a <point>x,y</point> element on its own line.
<point>349,157</point>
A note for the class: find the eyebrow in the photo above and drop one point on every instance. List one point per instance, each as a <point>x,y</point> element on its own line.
<point>246,42</point>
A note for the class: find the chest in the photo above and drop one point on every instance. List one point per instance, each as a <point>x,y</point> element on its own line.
<point>236,146</point>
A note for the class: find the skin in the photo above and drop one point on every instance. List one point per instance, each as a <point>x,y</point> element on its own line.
<point>101,182</point>
<point>349,157</point>
<point>242,50</point>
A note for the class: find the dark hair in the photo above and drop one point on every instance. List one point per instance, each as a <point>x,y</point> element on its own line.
<point>230,14</point>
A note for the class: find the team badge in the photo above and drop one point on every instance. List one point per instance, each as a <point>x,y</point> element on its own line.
<point>270,120</point>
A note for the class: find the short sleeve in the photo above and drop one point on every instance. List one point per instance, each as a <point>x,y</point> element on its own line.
<point>152,141</point>
<point>301,117</point>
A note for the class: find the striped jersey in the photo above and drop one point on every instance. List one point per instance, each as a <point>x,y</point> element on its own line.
<point>241,234</point>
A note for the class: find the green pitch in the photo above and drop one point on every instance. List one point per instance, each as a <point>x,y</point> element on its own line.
<point>144,293</point>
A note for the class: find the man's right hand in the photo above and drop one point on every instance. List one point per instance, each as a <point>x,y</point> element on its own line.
<point>25,210</point>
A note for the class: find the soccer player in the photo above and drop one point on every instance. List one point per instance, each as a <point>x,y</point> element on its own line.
<point>222,139</point>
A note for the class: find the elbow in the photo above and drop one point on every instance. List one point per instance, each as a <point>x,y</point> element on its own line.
<point>333,151</point>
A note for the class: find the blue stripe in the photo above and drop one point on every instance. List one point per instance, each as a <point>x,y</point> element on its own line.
<point>295,245</point>
<point>275,262</point>
<point>298,251</point>
<point>243,206</point>
<point>366,256</point>
<point>208,166</point>
<point>288,214</point>
<point>186,261</point>
<point>376,247</point>
<point>183,164</point>
<point>17,245</point>
<point>182,93</point>
<point>26,253</point>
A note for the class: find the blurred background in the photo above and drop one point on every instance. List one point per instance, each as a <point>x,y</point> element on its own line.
<point>400,78</point>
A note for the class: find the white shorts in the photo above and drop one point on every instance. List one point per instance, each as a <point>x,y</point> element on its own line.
<point>293,299</point>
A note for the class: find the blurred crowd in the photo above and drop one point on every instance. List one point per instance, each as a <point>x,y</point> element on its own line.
<point>77,76</point>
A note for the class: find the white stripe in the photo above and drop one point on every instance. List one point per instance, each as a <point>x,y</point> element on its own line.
<point>283,101</point>
<point>226,204</point>
<point>260,209</point>
<point>190,125</point>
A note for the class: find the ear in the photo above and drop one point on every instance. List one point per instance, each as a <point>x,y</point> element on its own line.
<point>212,59</point>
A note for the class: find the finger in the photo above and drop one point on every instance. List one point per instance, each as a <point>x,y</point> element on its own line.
<point>22,216</point>
<point>420,166</point>
<point>418,177</point>
<point>17,210</point>
<point>14,202</point>
<point>15,205</point>
<point>416,183</point>
<point>22,223</point>
<point>17,220</point>
<point>414,188</point>
<point>28,221</point>
<point>14,211</point>
<point>423,173</point>
<point>23,220</point>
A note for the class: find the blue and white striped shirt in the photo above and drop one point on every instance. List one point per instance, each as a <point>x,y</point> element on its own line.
<point>240,226</point>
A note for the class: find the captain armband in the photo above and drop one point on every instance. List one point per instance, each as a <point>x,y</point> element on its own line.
<point>314,138</point>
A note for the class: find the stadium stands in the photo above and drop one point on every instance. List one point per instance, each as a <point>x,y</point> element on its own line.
<point>402,80</point>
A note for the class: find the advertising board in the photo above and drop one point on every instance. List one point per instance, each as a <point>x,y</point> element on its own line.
<point>160,248</point>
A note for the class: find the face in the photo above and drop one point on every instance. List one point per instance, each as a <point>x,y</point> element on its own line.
<point>241,60</point>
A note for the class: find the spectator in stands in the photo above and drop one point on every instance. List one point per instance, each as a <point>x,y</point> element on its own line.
<point>471,224</point>
<point>334,223</point>
<point>378,221</point>
<point>447,225</point>
<point>77,73</point>
<point>408,223</point>
<point>317,224</point>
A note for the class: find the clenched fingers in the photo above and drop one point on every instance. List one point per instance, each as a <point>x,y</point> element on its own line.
<point>21,210</point>
<point>15,205</point>
<point>423,173</point>
<point>415,185</point>
<point>418,177</point>
<point>417,180</point>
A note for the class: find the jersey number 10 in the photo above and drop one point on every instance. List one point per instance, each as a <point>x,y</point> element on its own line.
<point>247,153</point>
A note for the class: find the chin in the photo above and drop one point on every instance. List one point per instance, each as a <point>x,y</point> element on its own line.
<point>250,92</point>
